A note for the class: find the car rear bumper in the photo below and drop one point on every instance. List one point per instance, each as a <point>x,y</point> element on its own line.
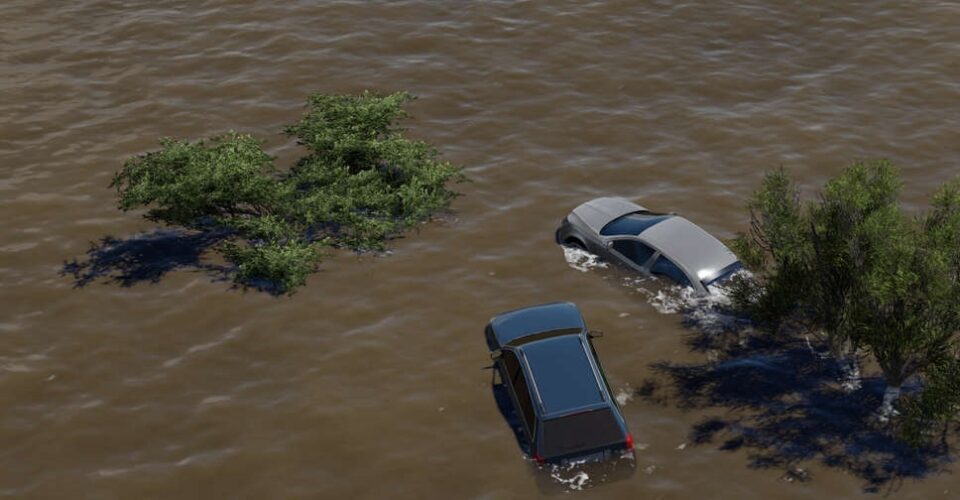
<point>595,456</point>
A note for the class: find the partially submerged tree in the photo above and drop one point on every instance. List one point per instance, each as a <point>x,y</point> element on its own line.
<point>810,258</point>
<point>360,184</point>
<point>929,414</point>
<point>854,267</point>
<point>775,250</point>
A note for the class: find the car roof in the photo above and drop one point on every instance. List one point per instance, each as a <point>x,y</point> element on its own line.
<point>598,212</point>
<point>518,323</point>
<point>689,246</point>
<point>563,376</point>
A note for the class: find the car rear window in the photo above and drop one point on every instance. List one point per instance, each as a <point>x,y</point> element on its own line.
<point>632,224</point>
<point>580,432</point>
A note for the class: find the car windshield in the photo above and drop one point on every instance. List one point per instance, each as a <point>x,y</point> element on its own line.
<point>543,335</point>
<point>632,224</point>
<point>580,432</point>
<point>725,273</point>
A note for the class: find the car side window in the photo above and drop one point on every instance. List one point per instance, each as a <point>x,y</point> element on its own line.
<point>519,384</point>
<point>664,267</point>
<point>637,252</point>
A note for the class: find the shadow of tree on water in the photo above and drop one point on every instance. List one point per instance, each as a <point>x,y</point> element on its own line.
<point>146,258</point>
<point>786,408</point>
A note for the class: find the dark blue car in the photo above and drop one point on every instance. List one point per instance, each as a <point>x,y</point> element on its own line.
<point>547,363</point>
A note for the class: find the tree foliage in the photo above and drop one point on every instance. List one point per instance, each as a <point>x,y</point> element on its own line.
<point>853,266</point>
<point>360,183</point>
<point>929,414</point>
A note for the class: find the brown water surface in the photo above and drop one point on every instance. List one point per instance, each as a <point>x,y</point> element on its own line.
<point>369,381</point>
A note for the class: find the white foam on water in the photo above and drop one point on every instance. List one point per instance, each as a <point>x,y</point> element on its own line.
<point>209,400</point>
<point>193,350</point>
<point>851,380</point>
<point>575,482</point>
<point>709,313</point>
<point>624,395</point>
<point>639,283</point>
<point>9,366</point>
<point>582,260</point>
<point>112,472</point>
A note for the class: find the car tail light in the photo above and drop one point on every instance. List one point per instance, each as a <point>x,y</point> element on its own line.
<point>539,459</point>
<point>629,442</point>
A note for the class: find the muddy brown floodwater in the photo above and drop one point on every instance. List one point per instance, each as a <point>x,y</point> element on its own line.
<point>144,376</point>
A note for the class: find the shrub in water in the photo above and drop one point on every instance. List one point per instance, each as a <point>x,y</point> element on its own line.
<point>361,183</point>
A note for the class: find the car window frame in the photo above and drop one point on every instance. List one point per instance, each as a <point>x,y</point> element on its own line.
<point>643,267</point>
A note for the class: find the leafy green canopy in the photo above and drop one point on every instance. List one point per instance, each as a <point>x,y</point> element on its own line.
<point>853,266</point>
<point>360,184</point>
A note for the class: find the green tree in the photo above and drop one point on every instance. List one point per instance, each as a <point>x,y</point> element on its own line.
<point>361,183</point>
<point>930,413</point>
<point>811,257</point>
<point>855,267</point>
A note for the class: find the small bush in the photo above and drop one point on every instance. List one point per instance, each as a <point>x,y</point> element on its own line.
<point>360,184</point>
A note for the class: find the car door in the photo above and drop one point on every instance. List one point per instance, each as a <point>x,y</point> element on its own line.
<point>516,382</point>
<point>663,266</point>
<point>631,252</point>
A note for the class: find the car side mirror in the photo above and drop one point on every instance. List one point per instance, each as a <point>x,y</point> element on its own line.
<point>495,355</point>
<point>594,334</point>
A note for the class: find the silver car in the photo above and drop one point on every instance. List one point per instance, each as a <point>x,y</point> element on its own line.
<point>619,230</point>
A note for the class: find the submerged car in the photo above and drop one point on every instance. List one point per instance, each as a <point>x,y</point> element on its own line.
<point>654,243</point>
<point>546,361</point>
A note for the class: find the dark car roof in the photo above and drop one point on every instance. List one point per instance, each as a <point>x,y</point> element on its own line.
<point>512,325</point>
<point>563,377</point>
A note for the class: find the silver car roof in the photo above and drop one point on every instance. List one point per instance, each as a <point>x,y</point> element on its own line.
<point>598,212</point>
<point>690,246</point>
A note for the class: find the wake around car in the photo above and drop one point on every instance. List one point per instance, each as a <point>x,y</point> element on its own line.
<point>546,361</point>
<point>668,245</point>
